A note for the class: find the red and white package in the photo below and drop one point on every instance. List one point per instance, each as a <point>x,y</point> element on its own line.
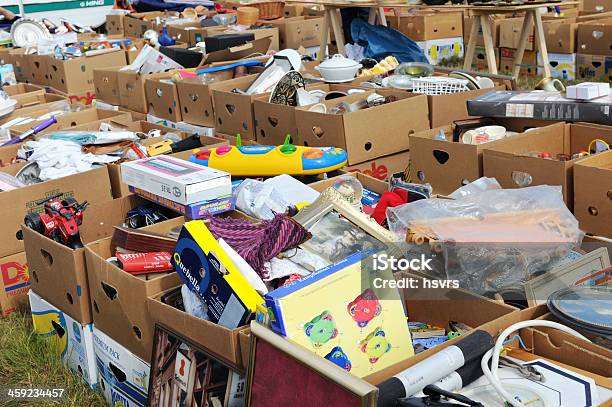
<point>144,263</point>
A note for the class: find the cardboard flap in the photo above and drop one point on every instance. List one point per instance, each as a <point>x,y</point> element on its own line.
<point>258,46</point>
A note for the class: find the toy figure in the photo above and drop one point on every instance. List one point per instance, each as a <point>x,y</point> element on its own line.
<point>364,308</point>
<point>375,345</point>
<point>338,357</point>
<point>321,329</point>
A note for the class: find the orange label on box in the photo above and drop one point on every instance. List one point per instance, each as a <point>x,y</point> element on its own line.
<point>15,278</point>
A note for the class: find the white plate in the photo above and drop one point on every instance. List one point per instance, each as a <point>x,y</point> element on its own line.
<point>8,108</point>
<point>472,82</point>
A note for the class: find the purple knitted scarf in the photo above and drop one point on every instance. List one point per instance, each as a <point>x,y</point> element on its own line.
<point>258,243</point>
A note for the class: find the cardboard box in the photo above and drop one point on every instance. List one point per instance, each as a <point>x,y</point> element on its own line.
<point>259,33</point>
<point>506,61</point>
<point>135,24</point>
<point>479,63</point>
<point>595,37</point>
<point>73,119</point>
<point>427,25</point>
<point>541,106</point>
<point>510,34</point>
<point>23,89</point>
<point>106,85</point>
<point>562,66</point>
<point>73,340</point>
<point>382,168</point>
<point>365,134</point>
<point>594,67</point>
<point>494,22</point>
<point>18,202</point>
<point>592,194</point>
<point>76,75</point>
<point>596,6</point>
<point>59,273</point>
<point>85,97</point>
<point>118,298</point>
<point>34,111</point>
<point>162,98</point>
<point>196,98</point>
<point>34,99</point>
<point>260,46</point>
<point>114,24</point>
<point>267,348</point>
<point>445,109</point>
<point>560,36</point>
<point>293,10</point>
<point>448,165</point>
<point>36,68</point>
<point>15,283</point>
<point>16,57</point>
<point>273,122</point>
<point>510,163</point>
<point>132,89</point>
<point>295,32</point>
<point>219,341</point>
<point>233,111</point>
<point>437,51</point>
<point>122,376</point>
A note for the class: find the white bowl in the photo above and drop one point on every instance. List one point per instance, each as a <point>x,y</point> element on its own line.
<point>339,74</point>
<point>338,69</point>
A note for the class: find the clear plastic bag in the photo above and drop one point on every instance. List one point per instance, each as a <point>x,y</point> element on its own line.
<point>480,185</point>
<point>496,238</point>
<point>259,200</point>
<point>193,304</point>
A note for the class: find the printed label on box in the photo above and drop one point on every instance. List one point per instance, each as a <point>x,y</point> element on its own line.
<point>73,340</point>
<point>122,376</point>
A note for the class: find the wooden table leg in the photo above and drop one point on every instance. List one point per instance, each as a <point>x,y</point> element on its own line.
<point>372,16</point>
<point>518,58</point>
<point>381,16</point>
<point>336,22</point>
<point>540,40</point>
<point>471,48</point>
<point>324,34</point>
<point>488,41</point>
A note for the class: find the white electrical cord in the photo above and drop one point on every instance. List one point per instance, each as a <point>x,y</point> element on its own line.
<point>491,374</point>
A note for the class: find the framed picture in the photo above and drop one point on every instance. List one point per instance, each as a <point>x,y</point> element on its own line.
<point>339,229</point>
<point>330,385</point>
<point>592,269</point>
<point>182,374</point>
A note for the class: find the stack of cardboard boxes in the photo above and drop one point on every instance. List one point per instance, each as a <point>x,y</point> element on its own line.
<point>109,350</point>
<point>438,34</point>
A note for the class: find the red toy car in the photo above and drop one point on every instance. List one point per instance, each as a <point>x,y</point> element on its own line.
<point>60,221</point>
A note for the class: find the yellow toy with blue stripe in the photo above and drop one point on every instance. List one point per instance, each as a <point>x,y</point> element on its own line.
<point>289,159</point>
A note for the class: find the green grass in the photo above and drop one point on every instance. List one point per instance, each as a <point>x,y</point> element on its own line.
<point>28,361</point>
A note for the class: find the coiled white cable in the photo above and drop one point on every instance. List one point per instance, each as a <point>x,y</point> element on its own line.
<point>493,354</point>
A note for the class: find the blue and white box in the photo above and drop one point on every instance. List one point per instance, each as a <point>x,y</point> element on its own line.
<point>74,340</point>
<point>122,376</point>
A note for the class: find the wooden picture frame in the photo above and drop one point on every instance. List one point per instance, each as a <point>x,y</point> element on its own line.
<point>364,394</point>
<point>538,289</point>
<point>331,200</point>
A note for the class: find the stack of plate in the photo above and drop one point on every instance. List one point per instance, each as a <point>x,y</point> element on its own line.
<point>586,309</point>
